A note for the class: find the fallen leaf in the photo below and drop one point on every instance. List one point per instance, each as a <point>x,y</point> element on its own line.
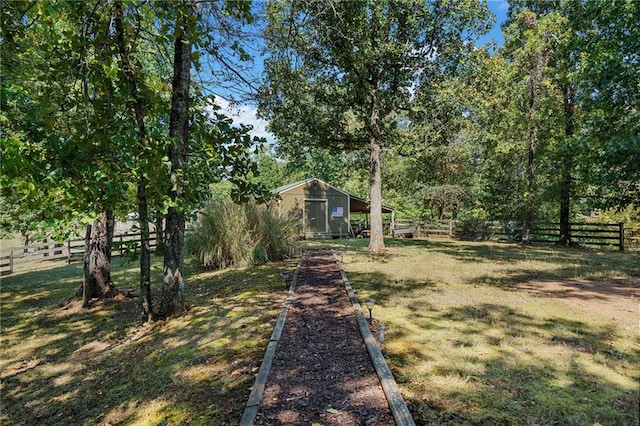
<point>332,411</point>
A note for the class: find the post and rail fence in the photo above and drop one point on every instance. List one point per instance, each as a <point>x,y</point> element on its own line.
<point>14,259</point>
<point>587,234</point>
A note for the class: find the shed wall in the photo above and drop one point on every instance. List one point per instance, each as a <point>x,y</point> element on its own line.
<point>293,202</point>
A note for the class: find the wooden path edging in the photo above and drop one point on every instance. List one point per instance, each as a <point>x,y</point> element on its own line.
<point>253,404</point>
<point>397,405</point>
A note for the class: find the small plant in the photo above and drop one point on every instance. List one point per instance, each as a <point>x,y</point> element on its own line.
<point>228,234</point>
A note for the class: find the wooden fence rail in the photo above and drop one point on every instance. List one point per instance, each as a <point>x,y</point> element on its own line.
<point>598,234</point>
<point>14,259</point>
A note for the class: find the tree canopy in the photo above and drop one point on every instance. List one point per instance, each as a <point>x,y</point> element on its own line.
<point>340,74</point>
<point>106,109</point>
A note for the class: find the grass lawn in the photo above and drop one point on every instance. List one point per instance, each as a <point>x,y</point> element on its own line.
<point>67,365</point>
<point>477,333</point>
<point>484,333</point>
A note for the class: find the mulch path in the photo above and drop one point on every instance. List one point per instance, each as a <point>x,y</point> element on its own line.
<point>321,373</point>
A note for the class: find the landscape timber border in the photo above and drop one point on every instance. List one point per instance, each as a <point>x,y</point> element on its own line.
<point>396,403</point>
<point>253,404</point>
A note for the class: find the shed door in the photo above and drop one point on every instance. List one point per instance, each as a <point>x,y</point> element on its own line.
<point>315,216</point>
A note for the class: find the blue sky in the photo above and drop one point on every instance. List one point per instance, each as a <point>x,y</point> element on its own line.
<point>499,9</point>
<point>247,113</point>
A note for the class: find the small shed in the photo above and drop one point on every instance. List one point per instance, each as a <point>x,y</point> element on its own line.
<point>324,211</point>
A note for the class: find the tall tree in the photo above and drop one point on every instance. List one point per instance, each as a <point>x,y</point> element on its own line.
<point>340,72</point>
<point>203,146</point>
<point>590,133</point>
<point>131,80</point>
<point>440,147</point>
<point>173,284</point>
<point>530,41</point>
<point>66,115</point>
<point>562,62</point>
<point>607,94</point>
<point>88,107</point>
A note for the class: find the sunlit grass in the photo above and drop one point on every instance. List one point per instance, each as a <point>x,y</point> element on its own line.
<point>61,364</point>
<point>469,343</point>
<point>468,339</point>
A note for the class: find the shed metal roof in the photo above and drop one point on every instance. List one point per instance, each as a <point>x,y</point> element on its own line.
<point>285,188</point>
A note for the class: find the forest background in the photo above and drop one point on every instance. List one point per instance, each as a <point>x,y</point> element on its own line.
<point>112,108</point>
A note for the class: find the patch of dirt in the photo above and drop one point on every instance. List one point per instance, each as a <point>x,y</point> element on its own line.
<point>618,299</point>
<point>322,372</point>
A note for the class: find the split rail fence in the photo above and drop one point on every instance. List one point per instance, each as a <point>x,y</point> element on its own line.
<point>21,258</point>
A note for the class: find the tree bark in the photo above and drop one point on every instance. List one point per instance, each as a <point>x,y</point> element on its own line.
<point>145,252</point>
<point>141,194</point>
<point>173,287</point>
<point>528,198</point>
<point>111,227</point>
<point>159,225</point>
<point>97,281</point>
<point>535,80</point>
<point>376,244</point>
<point>87,243</point>
<point>567,168</point>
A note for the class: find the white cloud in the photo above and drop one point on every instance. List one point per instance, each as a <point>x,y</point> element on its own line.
<point>246,115</point>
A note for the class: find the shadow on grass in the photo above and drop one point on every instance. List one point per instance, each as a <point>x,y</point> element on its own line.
<point>100,365</point>
<point>488,363</point>
<point>583,271</point>
<point>504,369</point>
<point>571,262</point>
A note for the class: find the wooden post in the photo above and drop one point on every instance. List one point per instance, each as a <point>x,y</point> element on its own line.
<point>11,261</point>
<point>393,223</point>
<point>450,228</point>
<point>121,246</point>
<point>621,235</point>
<point>69,250</point>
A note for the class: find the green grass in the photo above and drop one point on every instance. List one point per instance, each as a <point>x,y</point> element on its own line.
<point>466,341</point>
<point>101,366</point>
<point>469,345</point>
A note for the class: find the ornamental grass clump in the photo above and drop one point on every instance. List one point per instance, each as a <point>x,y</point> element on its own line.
<point>228,234</point>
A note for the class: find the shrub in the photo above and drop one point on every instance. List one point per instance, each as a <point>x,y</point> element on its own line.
<point>228,234</point>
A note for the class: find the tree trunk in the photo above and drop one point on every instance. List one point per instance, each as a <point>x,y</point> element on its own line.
<point>567,168</point>
<point>172,299</point>
<point>528,197</point>
<point>97,281</point>
<point>535,80</point>
<point>145,252</point>
<point>159,225</point>
<point>143,213</point>
<point>87,243</point>
<point>376,243</point>
<point>110,225</point>
<point>565,201</point>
